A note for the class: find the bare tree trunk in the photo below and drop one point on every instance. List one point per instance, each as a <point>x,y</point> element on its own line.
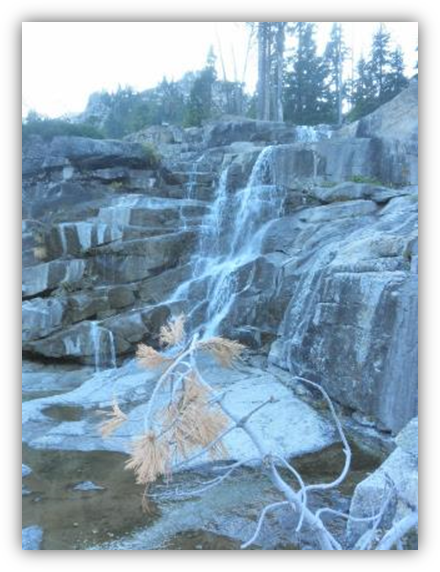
<point>248,49</point>
<point>339,76</point>
<point>262,69</point>
<point>268,70</point>
<point>279,71</point>
<point>220,52</point>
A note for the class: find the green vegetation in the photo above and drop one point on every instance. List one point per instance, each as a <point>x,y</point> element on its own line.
<point>197,97</point>
<point>152,156</point>
<point>380,78</point>
<point>315,87</point>
<point>328,184</point>
<point>199,106</point>
<point>305,96</point>
<point>306,88</point>
<point>116,185</point>
<point>50,128</point>
<point>376,182</point>
<point>367,180</point>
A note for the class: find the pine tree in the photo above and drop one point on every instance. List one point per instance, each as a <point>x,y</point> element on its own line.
<point>334,56</point>
<point>199,106</point>
<point>380,61</point>
<point>264,65</point>
<point>364,96</point>
<point>395,80</point>
<point>379,79</point>
<point>306,101</point>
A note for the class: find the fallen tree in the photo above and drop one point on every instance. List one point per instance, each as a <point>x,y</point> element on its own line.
<point>186,421</point>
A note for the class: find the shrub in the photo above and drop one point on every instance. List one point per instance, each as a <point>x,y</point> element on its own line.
<point>364,179</point>
<point>49,128</point>
<point>152,156</point>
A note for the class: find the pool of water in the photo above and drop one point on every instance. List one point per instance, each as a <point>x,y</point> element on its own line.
<point>109,515</point>
<point>73,519</point>
<point>112,517</point>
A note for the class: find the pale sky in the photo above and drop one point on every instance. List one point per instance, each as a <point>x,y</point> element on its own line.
<point>64,62</point>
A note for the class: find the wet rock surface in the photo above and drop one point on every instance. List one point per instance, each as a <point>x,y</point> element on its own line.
<point>299,242</point>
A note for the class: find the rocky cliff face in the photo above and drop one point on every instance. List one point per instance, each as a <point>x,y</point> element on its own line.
<point>300,242</point>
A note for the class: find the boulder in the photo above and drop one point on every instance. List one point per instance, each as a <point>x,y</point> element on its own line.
<point>287,426</point>
<point>408,438</point>
<point>350,191</point>
<point>159,135</point>
<point>97,154</point>
<point>34,153</point>
<point>396,479</point>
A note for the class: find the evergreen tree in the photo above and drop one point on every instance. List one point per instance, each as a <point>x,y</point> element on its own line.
<point>123,117</point>
<point>171,103</point>
<point>199,106</point>
<point>379,79</point>
<point>364,96</point>
<point>306,100</point>
<point>334,57</point>
<point>395,80</point>
<point>380,61</point>
<point>264,68</point>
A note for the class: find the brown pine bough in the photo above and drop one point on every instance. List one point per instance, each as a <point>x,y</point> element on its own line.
<point>192,423</point>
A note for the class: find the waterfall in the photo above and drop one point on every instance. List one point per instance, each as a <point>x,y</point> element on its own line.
<point>63,239</point>
<point>312,134</point>
<point>95,334</point>
<point>190,187</point>
<point>230,237</point>
<point>103,344</point>
<point>112,349</point>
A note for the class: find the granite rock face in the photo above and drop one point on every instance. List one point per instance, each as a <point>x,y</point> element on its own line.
<point>328,289</point>
<point>100,230</point>
<point>395,480</point>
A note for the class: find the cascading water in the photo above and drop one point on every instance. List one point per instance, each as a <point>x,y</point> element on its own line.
<point>63,239</point>
<point>230,238</point>
<point>103,344</point>
<point>95,334</point>
<point>190,188</point>
<point>112,349</point>
<point>312,134</point>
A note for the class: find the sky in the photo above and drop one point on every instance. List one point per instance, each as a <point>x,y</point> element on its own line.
<point>64,62</point>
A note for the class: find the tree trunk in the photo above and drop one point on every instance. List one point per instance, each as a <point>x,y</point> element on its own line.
<point>279,71</point>
<point>268,71</point>
<point>263,69</point>
<point>339,76</point>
